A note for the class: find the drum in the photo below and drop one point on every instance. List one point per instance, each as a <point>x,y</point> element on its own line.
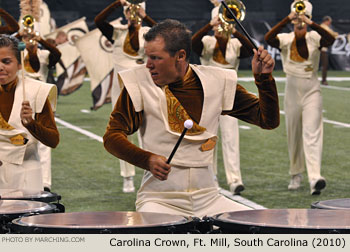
<point>43,196</point>
<point>336,204</point>
<point>12,209</point>
<point>289,221</point>
<point>104,222</point>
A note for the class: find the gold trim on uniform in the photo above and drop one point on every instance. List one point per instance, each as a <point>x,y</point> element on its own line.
<point>177,115</point>
<point>218,56</point>
<point>4,125</point>
<point>127,48</point>
<point>294,54</point>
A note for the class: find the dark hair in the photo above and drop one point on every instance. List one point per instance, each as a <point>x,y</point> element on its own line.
<point>175,34</point>
<point>326,18</point>
<point>12,42</point>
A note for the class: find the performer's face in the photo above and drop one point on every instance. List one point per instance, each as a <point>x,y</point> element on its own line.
<point>163,67</point>
<point>9,65</point>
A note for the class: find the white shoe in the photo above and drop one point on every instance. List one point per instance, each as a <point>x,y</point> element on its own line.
<point>128,185</point>
<point>236,188</point>
<point>295,182</point>
<point>317,185</point>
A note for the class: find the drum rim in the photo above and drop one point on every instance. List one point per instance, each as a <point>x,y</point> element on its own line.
<point>216,221</point>
<point>44,208</point>
<point>319,204</point>
<point>47,197</point>
<point>19,222</point>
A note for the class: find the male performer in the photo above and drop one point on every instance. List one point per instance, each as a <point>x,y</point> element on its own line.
<point>128,52</point>
<point>158,97</point>
<point>222,50</point>
<point>300,51</point>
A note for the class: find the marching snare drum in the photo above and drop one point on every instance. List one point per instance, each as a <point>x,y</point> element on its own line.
<point>335,204</point>
<point>290,221</point>
<point>42,196</point>
<point>12,209</point>
<point>103,222</point>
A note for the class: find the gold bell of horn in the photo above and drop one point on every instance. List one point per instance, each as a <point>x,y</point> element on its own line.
<point>238,9</point>
<point>299,7</point>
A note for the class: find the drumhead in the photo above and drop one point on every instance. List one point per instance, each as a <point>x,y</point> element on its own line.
<point>271,221</point>
<point>336,204</point>
<point>103,222</point>
<point>42,196</point>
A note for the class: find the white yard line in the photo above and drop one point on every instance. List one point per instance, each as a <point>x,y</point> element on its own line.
<point>80,130</point>
<point>345,125</point>
<point>283,79</point>
<point>241,199</point>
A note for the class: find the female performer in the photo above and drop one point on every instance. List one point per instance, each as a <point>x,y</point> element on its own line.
<point>26,118</point>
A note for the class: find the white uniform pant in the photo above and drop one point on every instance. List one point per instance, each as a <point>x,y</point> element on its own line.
<point>230,149</point>
<point>45,162</point>
<point>186,192</point>
<point>303,111</point>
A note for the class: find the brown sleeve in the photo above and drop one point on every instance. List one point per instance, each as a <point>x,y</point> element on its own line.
<point>197,44</point>
<point>101,22</point>
<point>262,111</point>
<point>271,36</point>
<point>326,38</point>
<point>149,21</point>
<point>44,127</point>
<point>11,23</point>
<point>124,120</point>
<point>55,54</point>
<point>33,59</point>
<point>246,48</point>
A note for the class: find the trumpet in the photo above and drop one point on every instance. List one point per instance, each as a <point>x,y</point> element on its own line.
<point>28,27</point>
<point>227,21</point>
<point>299,7</point>
<point>134,8</point>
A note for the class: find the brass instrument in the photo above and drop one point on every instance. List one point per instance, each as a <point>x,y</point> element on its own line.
<point>299,7</point>
<point>28,28</point>
<point>227,21</point>
<point>134,7</point>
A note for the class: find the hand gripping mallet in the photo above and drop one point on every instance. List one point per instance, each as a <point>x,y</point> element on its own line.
<point>187,125</point>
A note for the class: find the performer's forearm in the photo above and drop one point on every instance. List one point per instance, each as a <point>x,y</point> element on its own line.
<point>118,145</point>
<point>11,23</point>
<point>197,44</point>
<point>246,48</point>
<point>43,128</point>
<point>271,36</point>
<point>55,54</point>
<point>262,111</point>
<point>327,38</point>
<point>102,24</point>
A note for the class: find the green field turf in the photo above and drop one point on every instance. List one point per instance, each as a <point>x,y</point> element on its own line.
<point>88,177</point>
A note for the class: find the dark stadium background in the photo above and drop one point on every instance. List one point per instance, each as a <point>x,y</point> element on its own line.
<point>196,13</point>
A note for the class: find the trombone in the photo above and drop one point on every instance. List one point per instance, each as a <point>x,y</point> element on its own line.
<point>227,20</point>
